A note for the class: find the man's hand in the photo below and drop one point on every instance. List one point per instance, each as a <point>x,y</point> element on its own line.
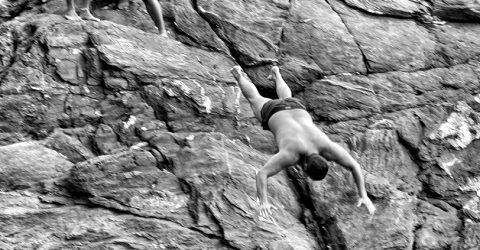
<point>368,203</point>
<point>265,211</point>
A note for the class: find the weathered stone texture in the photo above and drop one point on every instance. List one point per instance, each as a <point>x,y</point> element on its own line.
<point>113,137</point>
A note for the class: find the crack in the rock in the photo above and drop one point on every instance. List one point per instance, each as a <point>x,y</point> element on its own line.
<point>448,61</point>
<point>194,40</point>
<point>90,205</point>
<point>364,57</point>
<point>366,12</point>
<point>388,110</point>
<point>193,205</point>
<point>282,29</point>
<point>328,235</point>
<point>14,58</point>
<point>234,54</point>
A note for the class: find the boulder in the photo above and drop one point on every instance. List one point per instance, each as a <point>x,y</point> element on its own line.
<point>314,34</point>
<point>457,10</point>
<point>383,44</point>
<point>68,146</point>
<point>31,166</point>
<point>28,223</point>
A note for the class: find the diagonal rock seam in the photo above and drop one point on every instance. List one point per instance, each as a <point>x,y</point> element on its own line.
<point>323,235</point>
<point>379,14</point>
<point>231,46</point>
<point>364,57</point>
<point>193,202</point>
<point>282,30</point>
<point>413,154</point>
<point>127,212</point>
<point>233,52</point>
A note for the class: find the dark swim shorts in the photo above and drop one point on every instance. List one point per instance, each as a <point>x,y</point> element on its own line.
<point>273,106</point>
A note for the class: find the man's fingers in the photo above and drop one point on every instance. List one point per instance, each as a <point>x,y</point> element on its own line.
<point>272,220</point>
<point>263,219</point>
<point>266,215</point>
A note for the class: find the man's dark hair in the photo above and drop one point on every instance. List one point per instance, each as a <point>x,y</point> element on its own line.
<point>316,167</point>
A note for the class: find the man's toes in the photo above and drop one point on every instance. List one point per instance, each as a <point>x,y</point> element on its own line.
<point>275,69</point>
<point>236,68</point>
<point>90,18</point>
<point>72,17</point>
<point>236,71</point>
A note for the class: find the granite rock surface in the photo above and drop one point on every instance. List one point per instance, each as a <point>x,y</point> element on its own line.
<point>113,137</point>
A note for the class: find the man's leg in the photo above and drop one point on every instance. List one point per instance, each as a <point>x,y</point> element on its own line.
<point>71,14</point>
<point>155,11</point>
<point>283,91</point>
<point>85,11</point>
<point>283,159</point>
<point>249,91</point>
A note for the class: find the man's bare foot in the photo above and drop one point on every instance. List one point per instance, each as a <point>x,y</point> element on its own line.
<point>275,71</point>
<point>71,15</point>
<point>164,34</point>
<point>123,4</point>
<point>85,14</point>
<point>236,72</point>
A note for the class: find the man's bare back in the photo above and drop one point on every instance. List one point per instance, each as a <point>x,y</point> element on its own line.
<point>295,129</point>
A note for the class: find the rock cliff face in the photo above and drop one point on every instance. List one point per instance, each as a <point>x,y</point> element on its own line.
<point>113,137</point>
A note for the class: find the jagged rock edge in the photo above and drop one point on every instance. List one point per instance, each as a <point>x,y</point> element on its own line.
<point>128,212</point>
<point>365,11</point>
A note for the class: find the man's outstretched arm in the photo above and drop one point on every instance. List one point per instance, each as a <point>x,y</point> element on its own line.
<point>279,161</point>
<point>338,154</point>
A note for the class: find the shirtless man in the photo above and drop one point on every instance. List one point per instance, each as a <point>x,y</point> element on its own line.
<point>153,7</point>
<point>299,140</point>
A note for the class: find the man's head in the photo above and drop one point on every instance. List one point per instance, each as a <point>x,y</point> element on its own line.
<point>315,166</point>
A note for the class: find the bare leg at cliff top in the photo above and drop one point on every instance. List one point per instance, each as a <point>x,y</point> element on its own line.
<point>71,14</point>
<point>154,10</point>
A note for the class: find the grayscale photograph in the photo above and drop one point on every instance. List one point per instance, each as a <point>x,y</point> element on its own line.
<point>240,124</point>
